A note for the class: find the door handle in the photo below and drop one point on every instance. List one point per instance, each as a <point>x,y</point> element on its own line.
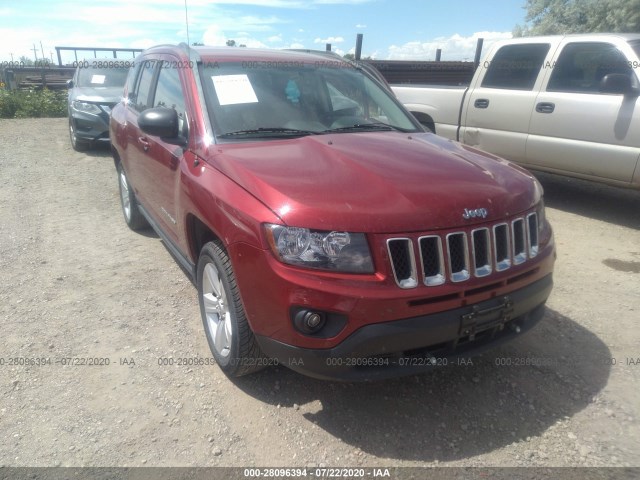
<point>545,107</point>
<point>481,103</point>
<point>144,142</point>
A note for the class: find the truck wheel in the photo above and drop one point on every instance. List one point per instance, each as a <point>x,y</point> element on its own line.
<point>78,144</point>
<point>132,215</point>
<point>230,338</point>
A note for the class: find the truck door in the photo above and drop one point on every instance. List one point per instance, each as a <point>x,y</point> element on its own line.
<point>578,128</point>
<point>500,102</point>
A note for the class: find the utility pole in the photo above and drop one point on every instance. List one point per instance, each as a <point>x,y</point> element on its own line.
<point>35,52</point>
<point>358,46</point>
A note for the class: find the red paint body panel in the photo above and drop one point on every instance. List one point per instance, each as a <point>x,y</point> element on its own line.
<point>376,182</point>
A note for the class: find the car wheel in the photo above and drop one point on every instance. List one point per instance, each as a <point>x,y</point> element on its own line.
<point>225,323</point>
<point>78,144</point>
<point>132,215</point>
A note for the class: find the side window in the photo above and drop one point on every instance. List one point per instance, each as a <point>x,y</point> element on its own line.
<point>169,93</point>
<point>516,67</point>
<point>131,82</point>
<point>582,66</point>
<point>143,89</point>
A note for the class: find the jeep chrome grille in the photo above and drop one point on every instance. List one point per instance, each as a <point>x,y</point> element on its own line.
<point>432,260</point>
<point>403,262</point>
<point>459,255</point>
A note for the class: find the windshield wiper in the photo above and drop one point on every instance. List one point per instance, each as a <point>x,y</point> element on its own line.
<point>365,126</point>
<point>268,131</point>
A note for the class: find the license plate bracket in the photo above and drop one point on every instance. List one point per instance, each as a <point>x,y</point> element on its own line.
<point>479,320</point>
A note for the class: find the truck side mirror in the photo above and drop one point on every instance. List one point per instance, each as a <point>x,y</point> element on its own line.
<point>620,84</point>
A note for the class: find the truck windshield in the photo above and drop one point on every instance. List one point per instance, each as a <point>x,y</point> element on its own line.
<point>296,99</point>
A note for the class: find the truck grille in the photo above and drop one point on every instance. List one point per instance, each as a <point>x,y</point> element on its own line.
<point>459,255</point>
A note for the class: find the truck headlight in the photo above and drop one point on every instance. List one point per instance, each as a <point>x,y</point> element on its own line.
<point>85,107</point>
<point>326,250</point>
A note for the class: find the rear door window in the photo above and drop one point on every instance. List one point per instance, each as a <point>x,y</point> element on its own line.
<point>516,67</point>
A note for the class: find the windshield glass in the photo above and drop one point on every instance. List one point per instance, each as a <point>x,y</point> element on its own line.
<point>102,77</point>
<point>297,99</point>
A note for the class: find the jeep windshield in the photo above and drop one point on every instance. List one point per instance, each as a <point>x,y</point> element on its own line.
<point>293,100</point>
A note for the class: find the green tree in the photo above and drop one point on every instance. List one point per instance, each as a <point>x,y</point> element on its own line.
<point>553,17</point>
<point>352,56</point>
<point>231,43</point>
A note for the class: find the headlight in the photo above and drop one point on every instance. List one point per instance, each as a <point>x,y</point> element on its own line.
<point>341,251</point>
<point>86,107</point>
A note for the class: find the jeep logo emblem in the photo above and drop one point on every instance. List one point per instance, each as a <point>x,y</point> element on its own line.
<point>478,212</point>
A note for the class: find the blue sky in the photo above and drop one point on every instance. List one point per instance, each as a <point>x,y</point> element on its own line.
<point>393,29</point>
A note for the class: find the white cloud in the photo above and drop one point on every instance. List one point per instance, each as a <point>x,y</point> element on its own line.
<point>329,40</point>
<point>296,45</point>
<point>455,47</point>
<point>361,26</point>
<point>281,3</point>
<point>340,2</point>
<point>275,38</point>
<point>143,43</point>
<point>247,23</point>
<point>250,42</point>
<point>214,36</point>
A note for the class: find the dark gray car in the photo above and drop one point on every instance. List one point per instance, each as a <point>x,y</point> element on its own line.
<point>95,88</point>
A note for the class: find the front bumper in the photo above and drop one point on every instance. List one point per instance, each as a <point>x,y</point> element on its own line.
<point>90,127</point>
<point>414,345</point>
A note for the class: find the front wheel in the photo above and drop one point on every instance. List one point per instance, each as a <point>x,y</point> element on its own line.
<point>78,144</point>
<point>132,215</point>
<point>229,335</point>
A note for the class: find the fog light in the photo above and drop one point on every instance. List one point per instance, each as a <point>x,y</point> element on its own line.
<point>308,321</point>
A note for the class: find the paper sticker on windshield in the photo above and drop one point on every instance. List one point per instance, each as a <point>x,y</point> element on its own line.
<point>98,79</point>
<point>234,89</point>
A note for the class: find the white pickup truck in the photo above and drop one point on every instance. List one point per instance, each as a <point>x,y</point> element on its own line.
<point>563,104</point>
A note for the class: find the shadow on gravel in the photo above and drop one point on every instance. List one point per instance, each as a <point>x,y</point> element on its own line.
<point>454,412</point>
<point>593,200</point>
<point>99,150</point>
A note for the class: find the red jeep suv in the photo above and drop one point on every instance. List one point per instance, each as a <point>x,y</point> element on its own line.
<point>324,228</point>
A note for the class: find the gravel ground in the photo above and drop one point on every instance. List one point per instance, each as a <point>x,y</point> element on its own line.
<point>77,283</point>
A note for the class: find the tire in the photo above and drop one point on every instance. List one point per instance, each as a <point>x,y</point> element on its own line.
<point>78,144</point>
<point>230,338</point>
<point>132,215</point>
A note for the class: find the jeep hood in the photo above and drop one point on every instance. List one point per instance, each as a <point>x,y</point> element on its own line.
<point>379,182</point>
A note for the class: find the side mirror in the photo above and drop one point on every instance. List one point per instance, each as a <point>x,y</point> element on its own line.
<point>69,83</point>
<point>620,84</point>
<point>162,122</point>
